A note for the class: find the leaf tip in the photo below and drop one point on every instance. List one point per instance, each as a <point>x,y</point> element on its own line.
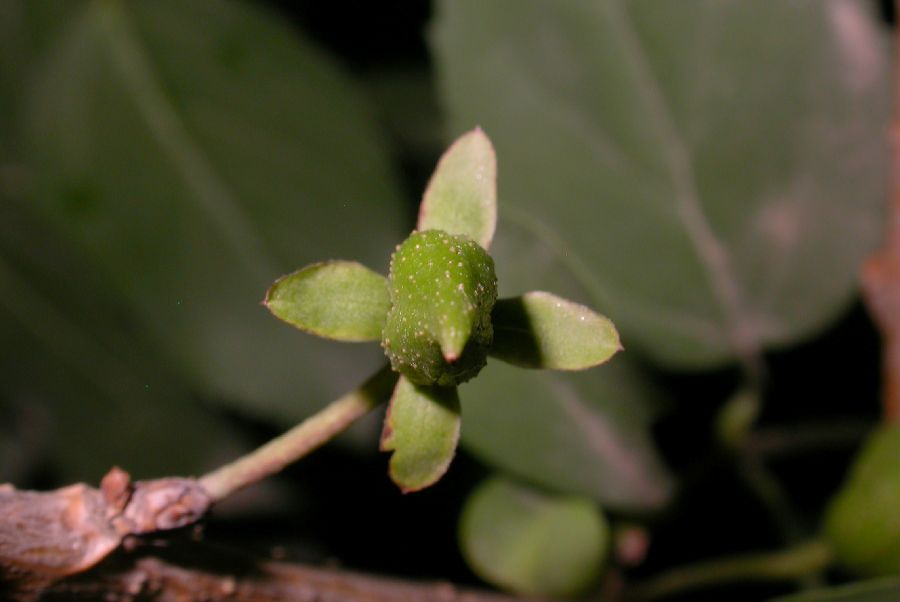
<point>619,347</point>
<point>406,486</point>
<point>266,301</point>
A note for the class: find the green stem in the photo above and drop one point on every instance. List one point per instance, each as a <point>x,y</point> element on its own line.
<point>300,440</point>
<point>768,490</point>
<point>734,428</point>
<point>784,565</point>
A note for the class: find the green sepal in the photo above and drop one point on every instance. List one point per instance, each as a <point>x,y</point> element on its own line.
<point>532,543</point>
<point>340,300</point>
<point>461,197</point>
<point>421,428</point>
<point>541,330</point>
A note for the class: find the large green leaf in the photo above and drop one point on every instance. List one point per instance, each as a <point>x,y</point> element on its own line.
<point>193,166</point>
<point>532,543</point>
<point>582,433</point>
<point>882,590</point>
<point>713,186</point>
<point>80,390</point>
<point>13,53</point>
<point>24,29</point>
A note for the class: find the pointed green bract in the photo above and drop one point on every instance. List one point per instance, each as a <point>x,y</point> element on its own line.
<point>541,330</point>
<point>461,197</point>
<point>442,290</point>
<point>530,543</point>
<point>340,300</point>
<point>422,429</point>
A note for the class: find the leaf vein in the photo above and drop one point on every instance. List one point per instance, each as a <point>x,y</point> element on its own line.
<point>710,251</point>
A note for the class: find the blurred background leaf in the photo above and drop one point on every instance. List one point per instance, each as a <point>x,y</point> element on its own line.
<point>583,433</point>
<point>533,543</point>
<point>692,170</point>
<point>77,383</point>
<point>706,172</point>
<point>186,169</point>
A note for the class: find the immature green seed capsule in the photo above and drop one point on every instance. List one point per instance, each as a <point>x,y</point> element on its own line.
<point>442,289</point>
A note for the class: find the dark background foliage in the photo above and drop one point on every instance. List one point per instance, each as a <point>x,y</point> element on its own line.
<point>338,505</point>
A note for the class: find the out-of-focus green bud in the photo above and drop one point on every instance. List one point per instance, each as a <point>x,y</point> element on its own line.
<point>863,521</point>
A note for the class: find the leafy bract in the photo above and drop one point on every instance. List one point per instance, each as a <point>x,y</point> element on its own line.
<point>878,590</point>
<point>688,167</point>
<point>421,429</point>
<point>580,433</point>
<point>532,543</point>
<point>461,197</point>
<point>541,330</point>
<point>192,166</point>
<point>341,300</point>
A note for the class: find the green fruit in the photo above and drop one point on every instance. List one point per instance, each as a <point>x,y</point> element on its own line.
<point>863,520</point>
<point>442,290</point>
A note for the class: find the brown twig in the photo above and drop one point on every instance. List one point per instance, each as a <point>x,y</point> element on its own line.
<point>46,536</point>
<point>190,570</point>
<point>68,544</point>
<point>881,273</point>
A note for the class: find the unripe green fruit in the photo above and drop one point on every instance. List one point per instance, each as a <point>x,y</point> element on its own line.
<point>442,290</point>
<point>863,521</point>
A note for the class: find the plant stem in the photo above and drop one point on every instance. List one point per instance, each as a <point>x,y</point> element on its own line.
<point>774,499</point>
<point>776,442</point>
<point>784,565</point>
<point>300,440</point>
